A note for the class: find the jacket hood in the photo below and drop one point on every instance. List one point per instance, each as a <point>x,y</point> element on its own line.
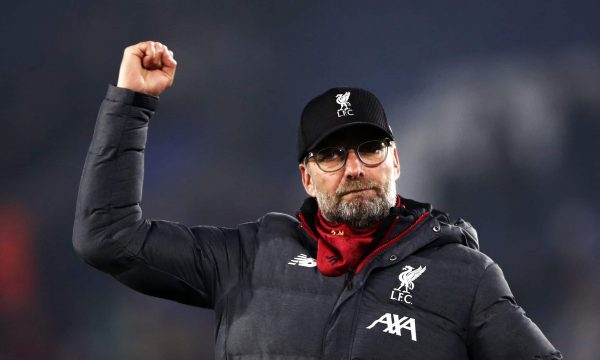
<point>459,231</point>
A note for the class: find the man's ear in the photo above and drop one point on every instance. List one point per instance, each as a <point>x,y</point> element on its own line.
<point>396,164</point>
<point>307,180</point>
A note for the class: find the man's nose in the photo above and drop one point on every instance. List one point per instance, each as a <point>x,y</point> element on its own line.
<point>354,167</point>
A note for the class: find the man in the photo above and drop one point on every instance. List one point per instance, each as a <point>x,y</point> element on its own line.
<point>359,273</point>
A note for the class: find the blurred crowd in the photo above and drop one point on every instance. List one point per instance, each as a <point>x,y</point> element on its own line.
<point>496,117</point>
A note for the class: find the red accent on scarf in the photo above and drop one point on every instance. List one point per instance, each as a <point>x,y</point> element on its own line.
<point>341,247</point>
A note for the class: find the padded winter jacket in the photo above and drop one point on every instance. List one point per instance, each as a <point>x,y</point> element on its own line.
<point>424,292</point>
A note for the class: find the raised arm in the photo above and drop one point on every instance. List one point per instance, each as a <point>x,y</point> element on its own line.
<point>159,258</point>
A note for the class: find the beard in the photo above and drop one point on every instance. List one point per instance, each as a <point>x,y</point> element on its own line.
<point>359,210</point>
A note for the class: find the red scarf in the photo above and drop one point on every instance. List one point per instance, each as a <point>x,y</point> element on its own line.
<point>341,247</point>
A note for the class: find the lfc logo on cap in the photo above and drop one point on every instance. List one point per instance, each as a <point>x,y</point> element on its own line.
<point>344,109</point>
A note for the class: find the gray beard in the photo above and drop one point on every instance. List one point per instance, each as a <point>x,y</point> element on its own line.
<point>358,212</point>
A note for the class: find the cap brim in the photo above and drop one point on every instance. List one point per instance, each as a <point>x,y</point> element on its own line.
<point>344,126</point>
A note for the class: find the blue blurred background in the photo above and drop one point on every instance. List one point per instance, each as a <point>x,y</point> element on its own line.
<point>495,105</point>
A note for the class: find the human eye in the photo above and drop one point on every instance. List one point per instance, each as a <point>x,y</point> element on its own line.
<point>329,155</point>
<point>372,152</point>
<point>371,147</point>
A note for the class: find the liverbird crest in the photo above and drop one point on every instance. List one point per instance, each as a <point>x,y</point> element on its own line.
<point>408,276</point>
<point>344,109</point>
<point>342,99</point>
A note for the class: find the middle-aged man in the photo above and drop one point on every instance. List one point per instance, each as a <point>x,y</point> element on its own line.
<point>358,273</point>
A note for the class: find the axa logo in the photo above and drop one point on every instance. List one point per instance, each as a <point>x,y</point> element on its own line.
<point>407,279</point>
<point>394,324</point>
<point>343,100</point>
<point>303,260</point>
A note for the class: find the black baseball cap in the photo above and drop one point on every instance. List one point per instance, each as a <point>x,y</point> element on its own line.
<point>339,108</point>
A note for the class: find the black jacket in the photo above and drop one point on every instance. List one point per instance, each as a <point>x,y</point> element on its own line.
<point>425,293</point>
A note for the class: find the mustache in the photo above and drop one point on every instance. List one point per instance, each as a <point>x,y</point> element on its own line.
<point>357,185</point>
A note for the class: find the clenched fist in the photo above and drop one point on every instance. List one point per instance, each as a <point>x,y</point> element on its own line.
<point>147,67</point>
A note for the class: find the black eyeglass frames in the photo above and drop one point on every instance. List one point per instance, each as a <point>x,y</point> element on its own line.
<point>330,159</point>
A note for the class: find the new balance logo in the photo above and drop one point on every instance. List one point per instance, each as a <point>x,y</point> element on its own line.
<point>303,260</point>
<point>394,325</point>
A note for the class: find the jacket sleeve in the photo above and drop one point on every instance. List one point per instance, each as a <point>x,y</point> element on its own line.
<point>159,258</point>
<point>499,328</point>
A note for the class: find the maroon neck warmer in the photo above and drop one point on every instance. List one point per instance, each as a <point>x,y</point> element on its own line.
<point>341,247</point>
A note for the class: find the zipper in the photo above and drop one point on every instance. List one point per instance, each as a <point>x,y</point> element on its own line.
<point>348,281</point>
<point>347,286</point>
<point>353,326</point>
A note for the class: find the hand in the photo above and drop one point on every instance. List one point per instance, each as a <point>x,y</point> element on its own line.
<point>147,67</point>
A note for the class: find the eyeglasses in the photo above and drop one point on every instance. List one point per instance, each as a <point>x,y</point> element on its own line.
<point>330,159</point>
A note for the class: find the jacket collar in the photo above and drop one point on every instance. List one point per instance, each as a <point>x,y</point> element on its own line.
<point>401,218</point>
